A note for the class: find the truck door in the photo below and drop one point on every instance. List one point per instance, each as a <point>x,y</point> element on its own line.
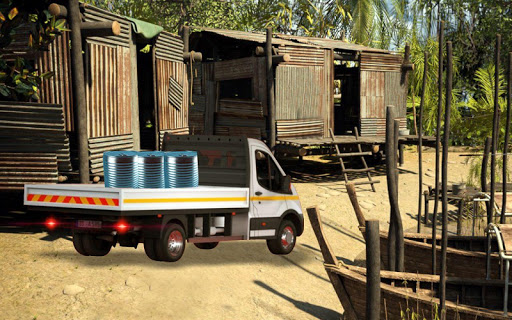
<point>267,201</point>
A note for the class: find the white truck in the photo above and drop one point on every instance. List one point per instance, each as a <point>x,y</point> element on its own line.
<point>243,194</point>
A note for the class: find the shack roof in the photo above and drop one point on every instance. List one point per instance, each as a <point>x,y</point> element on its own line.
<point>289,40</point>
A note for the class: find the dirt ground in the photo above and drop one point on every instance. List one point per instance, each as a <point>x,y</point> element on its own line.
<point>43,277</point>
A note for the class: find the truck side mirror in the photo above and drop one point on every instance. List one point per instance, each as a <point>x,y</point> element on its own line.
<point>286,185</point>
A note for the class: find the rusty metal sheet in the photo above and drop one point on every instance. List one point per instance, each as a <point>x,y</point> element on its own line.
<point>303,56</point>
<point>92,13</point>
<point>234,69</point>
<point>380,62</point>
<point>170,117</point>
<point>169,47</point>
<point>372,95</point>
<point>97,146</point>
<point>396,92</point>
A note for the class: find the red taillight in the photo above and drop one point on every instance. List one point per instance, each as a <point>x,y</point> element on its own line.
<point>51,223</point>
<point>122,226</point>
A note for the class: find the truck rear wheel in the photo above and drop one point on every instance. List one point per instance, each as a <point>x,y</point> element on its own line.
<point>94,246</point>
<point>286,238</point>
<point>206,245</point>
<point>172,244</point>
<point>78,243</point>
<point>149,248</point>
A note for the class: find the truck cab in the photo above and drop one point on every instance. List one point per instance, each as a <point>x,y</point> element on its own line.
<point>243,194</point>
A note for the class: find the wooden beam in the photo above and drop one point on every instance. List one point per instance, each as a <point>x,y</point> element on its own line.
<point>280,58</point>
<point>78,85</point>
<point>57,10</point>
<point>100,28</point>
<point>351,190</point>
<point>192,56</point>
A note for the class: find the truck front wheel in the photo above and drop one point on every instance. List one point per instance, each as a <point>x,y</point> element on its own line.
<point>172,244</point>
<point>285,240</point>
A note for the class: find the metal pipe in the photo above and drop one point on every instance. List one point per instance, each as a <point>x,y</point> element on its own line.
<point>507,138</point>
<point>438,143</point>
<point>444,187</point>
<point>270,92</point>
<point>78,84</point>
<point>420,139</point>
<point>495,128</point>
<point>372,270</point>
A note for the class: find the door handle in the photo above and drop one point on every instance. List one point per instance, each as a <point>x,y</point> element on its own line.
<point>258,193</point>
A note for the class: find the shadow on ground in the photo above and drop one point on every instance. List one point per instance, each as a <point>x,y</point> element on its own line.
<point>314,310</point>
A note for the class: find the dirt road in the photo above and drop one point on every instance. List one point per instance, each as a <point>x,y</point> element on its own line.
<point>43,277</point>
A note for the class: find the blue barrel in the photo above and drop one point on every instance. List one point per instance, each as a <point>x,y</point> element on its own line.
<point>181,169</point>
<point>120,169</point>
<point>150,166</point>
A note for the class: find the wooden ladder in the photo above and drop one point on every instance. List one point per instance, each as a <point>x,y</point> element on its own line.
<point>360,154</point>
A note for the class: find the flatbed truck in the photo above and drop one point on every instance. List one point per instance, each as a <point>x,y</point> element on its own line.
<point>243,194</point>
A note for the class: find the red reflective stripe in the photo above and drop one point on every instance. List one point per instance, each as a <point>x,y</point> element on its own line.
<point>77,200</point>
<point>103,201</point>
<point>116,201</point>
<point>42,197</point>
<point>67,199</point>
<point>30,197</point>
<point>54,199</point>
<point>91,201</point>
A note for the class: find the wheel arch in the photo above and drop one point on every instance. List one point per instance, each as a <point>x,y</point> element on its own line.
<point>295,218</point>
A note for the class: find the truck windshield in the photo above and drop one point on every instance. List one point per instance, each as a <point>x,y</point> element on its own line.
<point>268,174</point>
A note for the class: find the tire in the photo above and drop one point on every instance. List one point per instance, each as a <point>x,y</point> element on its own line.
<point>171,246</point>
<point>149,248</point>
<point>78,243</point>
<point>206,245</point>
<point>94,246</point>
<point>286,239</point>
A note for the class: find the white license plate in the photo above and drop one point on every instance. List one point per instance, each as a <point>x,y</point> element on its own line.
<point>88,224</point>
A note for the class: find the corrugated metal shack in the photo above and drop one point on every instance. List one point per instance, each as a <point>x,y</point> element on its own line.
<point>133,96</point>
<point>229,86</point>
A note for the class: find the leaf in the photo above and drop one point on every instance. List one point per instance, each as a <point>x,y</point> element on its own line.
<point>2,17</point>
<point>59,24</point>
<point>4,90</point>
<point>47,75</point>
<point>13,13</point>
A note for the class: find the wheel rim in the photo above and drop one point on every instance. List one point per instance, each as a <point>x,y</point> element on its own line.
<point>175,243</point>
<point>287,237</point>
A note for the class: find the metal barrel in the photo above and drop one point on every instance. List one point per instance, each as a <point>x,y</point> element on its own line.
<point>120,169</point>
<point>150,166</point>
<point>181,169</point>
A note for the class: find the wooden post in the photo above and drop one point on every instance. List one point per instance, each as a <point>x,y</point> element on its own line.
<point>372,270</point>
<point>507,137</point>
<point>495,127</point>
<point>78,85</point>
<point>271,123</point>
<point>351,190</point>
<point>396,207</point>
<point>186,39</point>
<point>446,144</point>
<point>438,143</point>
<point>460,212</point>
<point>485,165</point>
<point>330,258</point>
<point>390,172</point>
<point>420,140</point>
<point>426,195</point>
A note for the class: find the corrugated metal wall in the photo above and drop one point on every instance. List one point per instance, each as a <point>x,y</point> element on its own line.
<point>381,85</point>
<point>306,92</point>
<point>108,90</point>
<point>58,90</point>
<point>169,64</point>
<point>303,55</point>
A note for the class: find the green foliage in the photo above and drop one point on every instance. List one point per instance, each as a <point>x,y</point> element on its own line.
<point>19,80</point>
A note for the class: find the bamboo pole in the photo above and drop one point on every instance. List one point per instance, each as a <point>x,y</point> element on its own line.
<point>444,187</point>
<point>495,128</point>
<point>507,137</point>
<point>372,270</point>
<point>438,143</point>
<point>78,84</point>
<point>270,92</point>
<point>420,139</point>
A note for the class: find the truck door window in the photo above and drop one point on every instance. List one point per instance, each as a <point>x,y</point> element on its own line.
<point>268,174</point>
